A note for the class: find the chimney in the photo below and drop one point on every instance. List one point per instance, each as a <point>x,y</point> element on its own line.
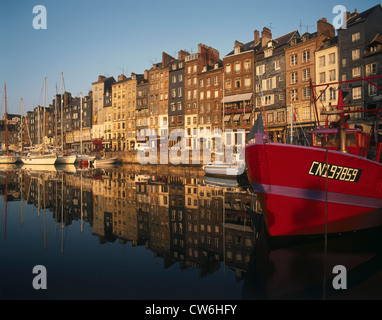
<point>325,28</point>
<point>238,44</point>
<point>182,54</point>
<point>121,77</point>
<point>166,59</point>
<point>266,35</point>
<point>257,37</point>
<point>101,78</point>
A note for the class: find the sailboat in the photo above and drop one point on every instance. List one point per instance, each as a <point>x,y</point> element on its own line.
<point>40,157</point>
<point>64,158</point>
<point>6,158</point>
<point>331,187</point>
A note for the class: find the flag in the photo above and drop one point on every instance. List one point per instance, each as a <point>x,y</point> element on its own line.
<point>258,127</point>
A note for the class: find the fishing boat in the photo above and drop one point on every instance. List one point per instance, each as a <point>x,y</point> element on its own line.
<point>330,187</point>
<point>6,158</point>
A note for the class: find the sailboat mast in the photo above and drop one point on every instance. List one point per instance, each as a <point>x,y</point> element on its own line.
<point>55,116</point>
<point>62,118</point>
<point>21,125</point>
<point>6,119</point>
<point>81,126</point>
<point>43,120</point>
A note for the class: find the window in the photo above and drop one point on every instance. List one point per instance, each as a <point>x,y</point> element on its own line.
<point>356,72</point>
<point>372,90</point>
<point>269,83</point>
<point>332,75</point>
<point>306,93</point>
<point>306,56</point>
<point>237,83</point>
<point>247,82</point>
<point>269,100</point>
<point>247,65</point>
<point>268,53</point>
<point>293,78</point>
<point>293,59</point>
<point>357,93</point>
<point>371,69</point>
<point>355,37</point>
<point>237,67</point>
<point>343,63</point>
<point>260,69</point>
<point>270,117</point>
<point>277,65</point>
<point>322,77</point>
<point>294,95</point>
<point>355,54</point>
<point>228,69</point>
<point>321,61</point>
<point>228,84</point>
<point>332,58</point>
<point>306,113</point>
<point>305,74</point>
<point>323,95</point>
<point>332,94</point>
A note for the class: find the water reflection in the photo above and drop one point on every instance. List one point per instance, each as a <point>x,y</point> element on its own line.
<point>184,219</point>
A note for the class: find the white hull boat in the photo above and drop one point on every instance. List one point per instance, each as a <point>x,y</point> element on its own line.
<point>85,157</point>
<point>39,159</point>
<point>66,159</point>
<point>224,169</point>
<point>8,159</point>
<point>106,162</point>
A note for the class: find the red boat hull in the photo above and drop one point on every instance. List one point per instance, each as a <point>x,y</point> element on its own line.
<point>302,188</point>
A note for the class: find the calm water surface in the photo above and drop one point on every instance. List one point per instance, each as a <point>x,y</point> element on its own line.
<point>161,232</point>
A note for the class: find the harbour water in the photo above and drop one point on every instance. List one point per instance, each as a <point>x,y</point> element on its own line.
<point>162,232</point>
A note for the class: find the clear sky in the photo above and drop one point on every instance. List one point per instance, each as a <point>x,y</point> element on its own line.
<point>86,38</point>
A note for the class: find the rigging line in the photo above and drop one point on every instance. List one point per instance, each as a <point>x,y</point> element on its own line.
<point>326,225</point>
<point>301,127</point>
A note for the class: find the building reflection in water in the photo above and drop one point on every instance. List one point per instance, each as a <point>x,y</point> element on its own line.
<point>173,211</point>
<point>190,220</point>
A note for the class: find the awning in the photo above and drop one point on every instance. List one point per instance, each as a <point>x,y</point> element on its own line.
<point>247,116</point>
<point>237,97</point>
<point>227,118</point>
<point>236,117</point>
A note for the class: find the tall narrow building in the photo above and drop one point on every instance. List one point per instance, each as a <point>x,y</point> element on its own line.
<point>102,98</point>
<point>194,64</point>
<point>300,68</point>
<point>270,84</point>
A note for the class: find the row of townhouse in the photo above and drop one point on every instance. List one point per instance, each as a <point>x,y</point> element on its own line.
<point>267,76</point>
<point>200,91</point>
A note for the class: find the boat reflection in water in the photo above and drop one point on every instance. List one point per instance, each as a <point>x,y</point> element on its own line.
<point>149,223</point>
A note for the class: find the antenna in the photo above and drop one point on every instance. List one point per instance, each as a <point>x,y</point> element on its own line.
<point>305,25</point>
<point>270,26</point>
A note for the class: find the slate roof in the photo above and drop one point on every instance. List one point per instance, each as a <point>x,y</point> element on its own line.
<point>279,42</point>
<point>362,16</point>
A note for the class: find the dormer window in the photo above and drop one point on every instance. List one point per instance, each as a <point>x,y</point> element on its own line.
<point>268,53</point>
<point>237,50</point>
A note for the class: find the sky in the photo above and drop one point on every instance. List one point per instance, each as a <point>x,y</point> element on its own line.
<point>87,38</point>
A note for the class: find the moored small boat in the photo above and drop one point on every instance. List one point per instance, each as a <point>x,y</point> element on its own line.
<point>106,161</point>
